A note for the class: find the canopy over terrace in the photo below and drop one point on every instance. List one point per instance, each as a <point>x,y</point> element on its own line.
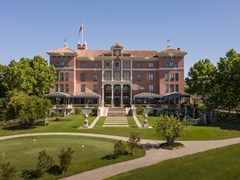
<point>59,97</point>
<point>175,98</point>
<point>147,98</point>
<point>86,98</point>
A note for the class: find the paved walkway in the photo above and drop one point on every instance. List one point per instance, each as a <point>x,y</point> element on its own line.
<point>152,156</point>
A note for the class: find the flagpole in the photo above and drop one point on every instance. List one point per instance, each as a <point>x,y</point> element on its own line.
<point>82,32</point>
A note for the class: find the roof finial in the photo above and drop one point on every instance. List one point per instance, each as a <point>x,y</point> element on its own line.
<point>65,43</point>
<point>168,44</point>
<point>116,40</point>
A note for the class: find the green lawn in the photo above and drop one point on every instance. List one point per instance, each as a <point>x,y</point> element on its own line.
<point>73,122</point>
<point>222,163</point>
<point>23,152</point>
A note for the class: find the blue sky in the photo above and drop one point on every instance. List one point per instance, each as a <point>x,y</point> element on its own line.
<point>204,28</point>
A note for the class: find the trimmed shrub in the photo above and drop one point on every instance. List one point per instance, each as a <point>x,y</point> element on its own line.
<point>8,171</point>
<point>120,148</point>
<point>77,110</point>
<point>140,110</point>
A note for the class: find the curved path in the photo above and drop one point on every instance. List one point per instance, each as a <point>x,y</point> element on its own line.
<point>152,156</point>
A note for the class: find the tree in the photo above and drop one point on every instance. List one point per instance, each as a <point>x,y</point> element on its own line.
<point>65,158</point>
<point>8,171</point>
<point>227,81</point>
<point>169,128</point>
<point>32,76</point>
<point>199,80</point>
<point>133,142</point>
<point>44,163</point>
<point>26,108</point>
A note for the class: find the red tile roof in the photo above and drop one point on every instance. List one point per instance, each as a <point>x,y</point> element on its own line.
<point>62,50</point>
<point>133,53</point>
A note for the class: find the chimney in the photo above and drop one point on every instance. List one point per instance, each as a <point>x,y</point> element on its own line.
<point>81,47</point>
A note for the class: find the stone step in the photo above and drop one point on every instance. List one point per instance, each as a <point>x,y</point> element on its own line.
<point>116,121</point>
<point>116,109</point>
<point>115,125</point>
<point>116,114</point>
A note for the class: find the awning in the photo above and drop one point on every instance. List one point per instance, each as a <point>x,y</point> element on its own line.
<point>86,95</point>
<point>57,95</point>
<point>175,95</point>
<point>147,95</point>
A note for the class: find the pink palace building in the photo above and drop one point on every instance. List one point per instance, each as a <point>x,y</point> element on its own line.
<point>117,77</point>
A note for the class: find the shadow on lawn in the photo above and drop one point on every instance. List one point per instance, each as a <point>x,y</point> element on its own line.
<point>225,126</point>
<point>18,127</point>
<point>149,146</point>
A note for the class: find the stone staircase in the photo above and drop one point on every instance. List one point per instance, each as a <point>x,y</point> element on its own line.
<point>116,121</point>
<point>116,111</point>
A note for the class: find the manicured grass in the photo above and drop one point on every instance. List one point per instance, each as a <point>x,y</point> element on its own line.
<point>73,122</point>
<point>222,163</point>
<point>23,152</point>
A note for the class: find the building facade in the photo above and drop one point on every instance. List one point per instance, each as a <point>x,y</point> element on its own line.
<point>117,77</point>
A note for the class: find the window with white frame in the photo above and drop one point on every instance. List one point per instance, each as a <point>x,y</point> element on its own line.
<point>66,88</point>
<point>138,76</point>
<point>171,64</point>
<point>166,88</point>
<point>117,64</point>
<point>166,76</point>
<point>117,76</point>
<point>139,88</point>
<point>177,88</point>
<point>67,76</point>
<point>95,87</point>
<point>56,87</point>
<point>150,88</point>
<point>176,77</point>
<point>95,64</point>
<point>107,76</point>
<point>138,64</point>
<point>107,64</point>
<point>150,76</point>
<point>83,64</point>
<point>61,87</point>
<point>171,87</point>
<point>83,76</point>
<point>171,77</point>
<point>150,64</point>
<point>95,76</point>
<point>61,64</point>
<point>126,64</point>
<point>83,88</point>
<point>126,76</point>
<point>61,77</point>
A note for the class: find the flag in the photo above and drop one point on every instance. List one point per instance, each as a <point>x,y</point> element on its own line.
<point>80,29</point>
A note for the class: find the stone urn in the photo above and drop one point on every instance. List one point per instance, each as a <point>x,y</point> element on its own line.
<point>145,122</point>
<point>85,121</point>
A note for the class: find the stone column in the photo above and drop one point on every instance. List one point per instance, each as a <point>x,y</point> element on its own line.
<point>121,70</point>
<point>102,95</point>
<point>131,78</point>
<point>112,89</point>
<point>112,71</point>
<point>121,96</point>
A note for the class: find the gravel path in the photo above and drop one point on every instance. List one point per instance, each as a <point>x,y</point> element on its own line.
<point>152,156</point>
